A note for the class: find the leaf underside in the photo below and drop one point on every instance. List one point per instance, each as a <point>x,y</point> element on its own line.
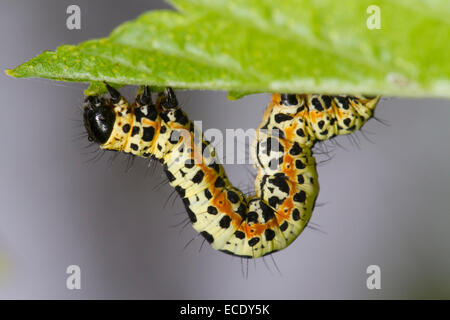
<point>250,46</point>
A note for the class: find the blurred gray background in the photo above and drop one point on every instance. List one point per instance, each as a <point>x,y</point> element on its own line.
<point>385,203</point>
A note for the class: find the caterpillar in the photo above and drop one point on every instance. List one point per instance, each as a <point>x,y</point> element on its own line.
<point>286,185</point>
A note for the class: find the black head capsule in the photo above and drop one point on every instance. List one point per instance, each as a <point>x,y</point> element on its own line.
<point>98,119</point>
<point>93,100</point>
<point>169,100</point>
<point>288,99</point>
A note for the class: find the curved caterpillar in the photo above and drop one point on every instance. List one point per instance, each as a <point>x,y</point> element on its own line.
<point>286,185</point>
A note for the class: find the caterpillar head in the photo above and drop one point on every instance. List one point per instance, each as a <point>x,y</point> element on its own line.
<point>98,118</point>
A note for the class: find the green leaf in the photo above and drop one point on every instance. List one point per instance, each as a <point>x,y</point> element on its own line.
<point>250,46</point>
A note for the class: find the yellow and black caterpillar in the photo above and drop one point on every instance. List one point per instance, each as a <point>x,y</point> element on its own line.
<point>286,185</point>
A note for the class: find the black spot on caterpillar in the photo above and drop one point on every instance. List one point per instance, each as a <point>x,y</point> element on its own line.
<point>286,186</point>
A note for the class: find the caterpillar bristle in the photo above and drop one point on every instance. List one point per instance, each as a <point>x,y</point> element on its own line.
<point>189,242</point>
<point>173,194</point>
<point>97,156</point>
<point>112,158</point>
<point>382,121</point>
<point>183,223</point>
<point>266,265</point>
<point>315,228</point>
<point>162,183</point>
<point>129,163</point>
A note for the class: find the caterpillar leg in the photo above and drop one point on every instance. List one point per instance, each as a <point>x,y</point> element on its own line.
<point>286,185</point>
